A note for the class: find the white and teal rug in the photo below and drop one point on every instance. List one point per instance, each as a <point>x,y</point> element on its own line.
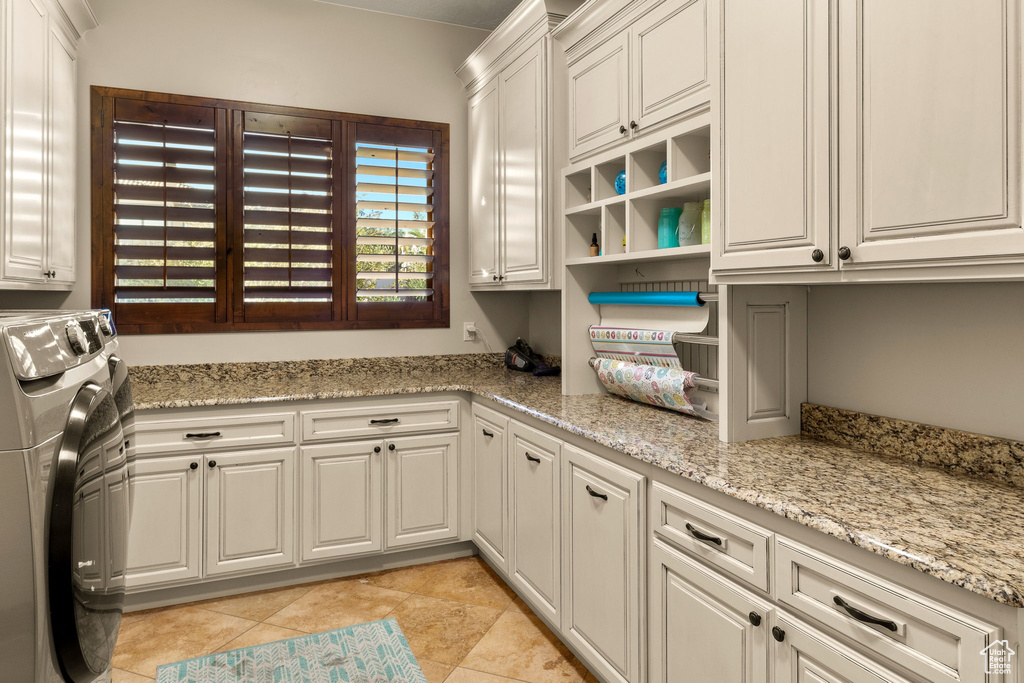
<point>376,652</point>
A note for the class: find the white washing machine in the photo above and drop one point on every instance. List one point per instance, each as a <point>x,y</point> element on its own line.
<point>66,461</point>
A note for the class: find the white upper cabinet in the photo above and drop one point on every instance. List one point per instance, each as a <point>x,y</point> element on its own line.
<point>774,193</point>
<point>670,65</point>
<point>522,122</point>
<point>60,199</point>
<point>599,96</point>
<point>27,30</point>
<point>38,75</point>
<point>651,67</point>
<point>929,112</point>
<point>483,185</point>
<point>517,147</point>
<point>868,141</point>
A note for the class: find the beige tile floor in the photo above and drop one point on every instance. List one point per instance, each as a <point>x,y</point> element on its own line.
<point>463,623</point>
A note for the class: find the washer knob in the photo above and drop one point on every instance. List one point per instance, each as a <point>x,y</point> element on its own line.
<point>77,339</point>
<point>104,325</point>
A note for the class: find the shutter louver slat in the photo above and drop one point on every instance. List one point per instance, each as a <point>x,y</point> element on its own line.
<point>394,223</point>
<point>288,221</point>
<point>164,213</point>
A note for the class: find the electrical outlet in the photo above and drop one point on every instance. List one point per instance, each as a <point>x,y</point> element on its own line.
<point>469,332</point>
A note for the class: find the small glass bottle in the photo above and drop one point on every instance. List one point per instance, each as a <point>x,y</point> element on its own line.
<point>595,249</point>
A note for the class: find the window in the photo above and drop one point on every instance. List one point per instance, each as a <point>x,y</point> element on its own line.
<point>215,215</point>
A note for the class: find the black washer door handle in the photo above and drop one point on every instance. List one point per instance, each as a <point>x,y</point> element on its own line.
<point>388,421</point>
<point>701,536</point>
<point>535,459</point>
<point>864,616</point>
<point>202,435</point>
<point>595,494</point>
<point>486,433</point>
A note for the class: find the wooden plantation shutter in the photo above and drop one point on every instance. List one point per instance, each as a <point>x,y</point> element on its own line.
<point>396,222</point>
<point>288,218</point>
<point>167,213</point>
<point>215,215</point>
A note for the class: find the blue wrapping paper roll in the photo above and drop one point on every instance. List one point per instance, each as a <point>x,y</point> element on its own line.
<point>647,298</point>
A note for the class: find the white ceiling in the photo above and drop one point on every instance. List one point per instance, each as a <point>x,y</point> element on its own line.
<point>485,14</point>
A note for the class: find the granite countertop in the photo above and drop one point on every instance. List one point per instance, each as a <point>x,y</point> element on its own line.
<point>965,530</point>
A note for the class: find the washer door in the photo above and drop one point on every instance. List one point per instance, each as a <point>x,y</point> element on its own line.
<point>87,536</point>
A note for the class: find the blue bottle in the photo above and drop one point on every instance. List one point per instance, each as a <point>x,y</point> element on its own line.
<point>620,182</point>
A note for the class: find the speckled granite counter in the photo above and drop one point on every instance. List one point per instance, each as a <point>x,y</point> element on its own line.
<point>964,530</point>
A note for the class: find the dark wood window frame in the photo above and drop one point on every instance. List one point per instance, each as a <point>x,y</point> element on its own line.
<point>228,311</point>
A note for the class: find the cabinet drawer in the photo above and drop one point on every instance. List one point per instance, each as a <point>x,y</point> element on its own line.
<point>935,640</point>
<point>382,420</point>
<point>204,434</point>
<point>734,545</point>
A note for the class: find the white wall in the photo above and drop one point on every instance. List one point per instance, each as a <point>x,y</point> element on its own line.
<point>948,355</point>
<point>300,53</point>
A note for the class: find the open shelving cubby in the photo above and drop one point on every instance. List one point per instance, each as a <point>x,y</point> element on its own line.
<point>633,216</point>
<point>630,261</point>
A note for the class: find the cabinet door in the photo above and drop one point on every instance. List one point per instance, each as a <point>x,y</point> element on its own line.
<point>341,499</point>
<point>806,654</point>
<point>536,518</point>
<point>483,186</point>
<point>490,484</point>
<point>250,520</point>
<point>422,475</point>
<point>599,96</point>
<point>60,191</point>
<point>27,29</point>
<point>523,150</point>
<point>670,62</point>
<point>603,569</point>
<point>702,626</point>
<point>776,135</point>
<point>929,170</point>
<point>163,537</point>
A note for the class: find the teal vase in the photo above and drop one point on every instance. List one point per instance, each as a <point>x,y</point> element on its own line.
<point>668,224</point>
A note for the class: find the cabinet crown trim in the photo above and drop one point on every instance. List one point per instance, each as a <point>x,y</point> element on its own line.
<point>511,37</point>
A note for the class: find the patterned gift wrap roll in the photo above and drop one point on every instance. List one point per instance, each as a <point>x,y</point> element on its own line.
<point>651,347</point>
<point>672,388</point>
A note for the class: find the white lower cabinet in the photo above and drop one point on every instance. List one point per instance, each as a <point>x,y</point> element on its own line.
<point>422,474</point>
<point>806,654</point>
<point>535,518</point>
<point>703,627</point>
<point>603,513</point>
<point>167,511</point>
<point>250,518</point>
<point>341,499</point>
<point>490,484</point>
